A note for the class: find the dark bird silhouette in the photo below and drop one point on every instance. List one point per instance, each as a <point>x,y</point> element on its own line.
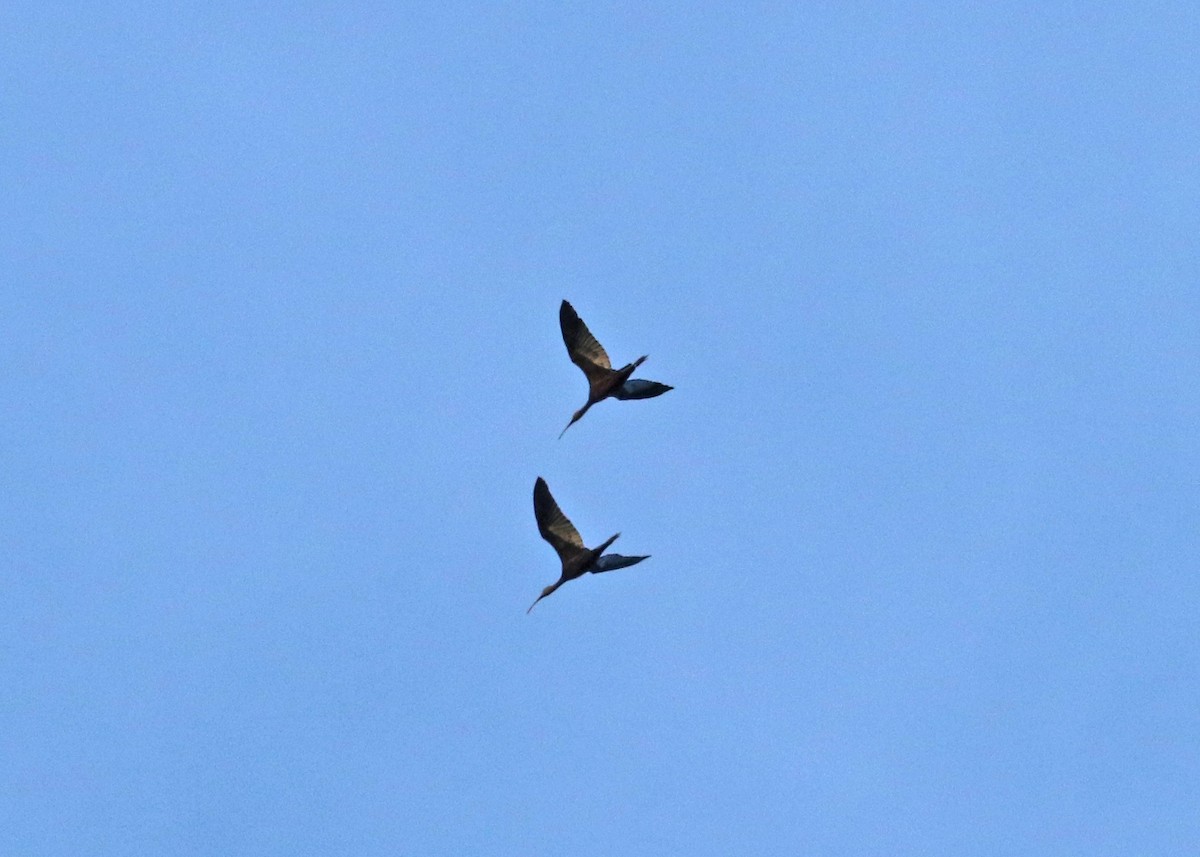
<point>568,544</point>
<point>603,380</point>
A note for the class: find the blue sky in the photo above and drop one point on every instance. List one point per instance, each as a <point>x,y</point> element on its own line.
<point>281,362</point>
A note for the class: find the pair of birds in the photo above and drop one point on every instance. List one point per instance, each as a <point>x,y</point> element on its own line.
<point>603,382</point>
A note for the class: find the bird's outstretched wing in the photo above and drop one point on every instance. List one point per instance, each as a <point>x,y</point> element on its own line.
<point>553,524</point>
<point>613,561</point>
<point>583,349</point>
<point>636,388</point>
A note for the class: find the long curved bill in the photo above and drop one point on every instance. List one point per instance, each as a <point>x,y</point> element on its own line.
<point>549,590</point>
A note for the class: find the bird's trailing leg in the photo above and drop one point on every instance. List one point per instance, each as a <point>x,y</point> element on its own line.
<point>604,546</point>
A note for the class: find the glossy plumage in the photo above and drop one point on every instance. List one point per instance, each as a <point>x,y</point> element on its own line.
<point>603,380</point>
<point>558,530</point>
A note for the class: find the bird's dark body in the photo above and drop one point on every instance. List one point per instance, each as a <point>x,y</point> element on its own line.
<point>581,564</point>
<point>604,386</point>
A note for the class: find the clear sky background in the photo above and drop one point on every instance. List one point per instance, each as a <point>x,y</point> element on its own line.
<point>280,363</point>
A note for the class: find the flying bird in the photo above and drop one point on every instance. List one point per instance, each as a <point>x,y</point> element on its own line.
<point>568,544</point>
<point>603,380</point>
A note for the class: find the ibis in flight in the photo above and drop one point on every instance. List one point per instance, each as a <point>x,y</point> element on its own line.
<point>603,380</point>
<point>577,560</point>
